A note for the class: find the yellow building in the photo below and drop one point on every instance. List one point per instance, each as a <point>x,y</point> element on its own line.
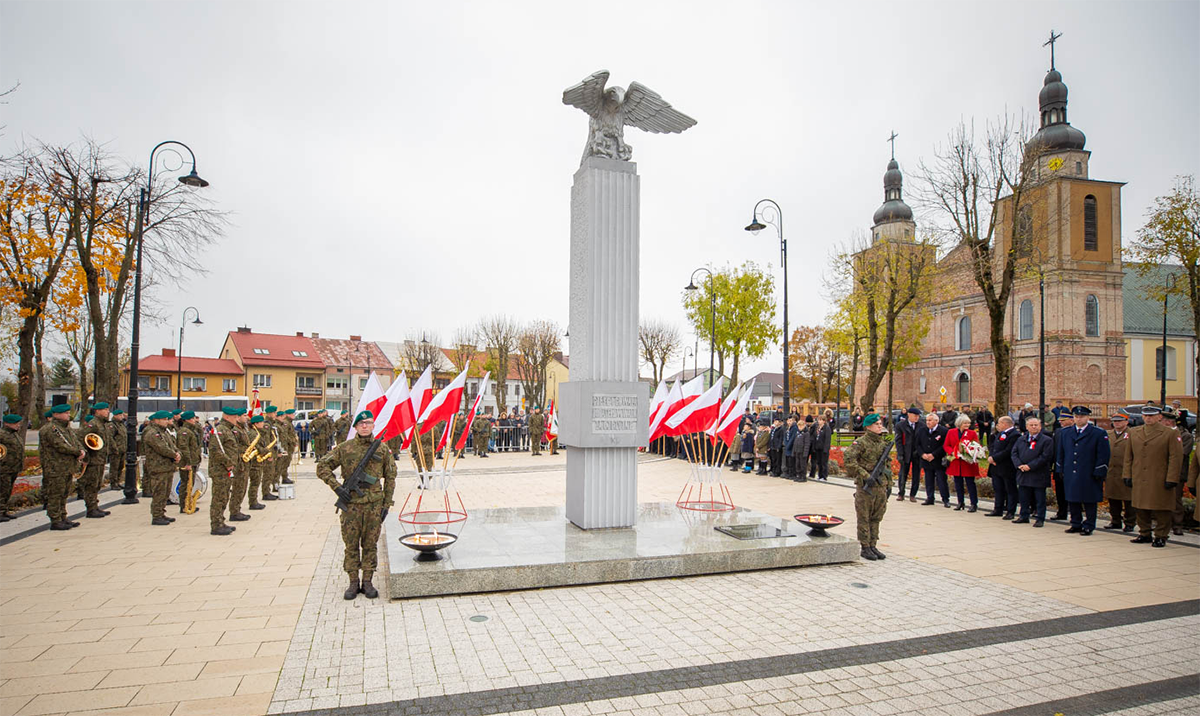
<point>287,370</point>
<point>1144,337</point>
<point>557,373</point>
<point>208,384</point>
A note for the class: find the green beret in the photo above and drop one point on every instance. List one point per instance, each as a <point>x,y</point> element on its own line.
<point>100,406</point>
<point>87,418</point>
<point>187,414</point>
<point>118,411</point>
<point>46,414</point>
<point>229,410</point>
<point>11,418</point>
<point>871,419</point>
<point>176,411</point>
<point>364,415</point>
<point>240,411</point>
<point>257,419</point>
<point>270,409</point>
<point>290,411</point>
<point>344,411</point>
<point>61,408</point>
<point>160,415</point>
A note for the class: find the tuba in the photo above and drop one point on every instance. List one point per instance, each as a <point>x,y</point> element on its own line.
<point>93,441</point>
<point>251,451</point>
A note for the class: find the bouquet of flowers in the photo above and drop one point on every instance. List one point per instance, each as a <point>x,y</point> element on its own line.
<point>971,451</point>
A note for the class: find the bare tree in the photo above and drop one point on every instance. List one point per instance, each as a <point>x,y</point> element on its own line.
<point>463,352</point>
<point>658,342</point>
<point>536,346</point>
<point>421,351</point>
<point>79,346</point>
<point>499,334</point>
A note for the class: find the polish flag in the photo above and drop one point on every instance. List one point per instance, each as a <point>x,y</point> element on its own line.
<point>729,424</point>
<point>552,423</point>
<point>660,395</point>
<point>726,406</point>
<point>255,405</point>
<point>419,397</point>
<point>444,404</point>
<point>396,416</point>
<point>462,439</point>
<point>372,399</point>
<point>690,391</point>
<point>697,414</point>
<point>674,395</point>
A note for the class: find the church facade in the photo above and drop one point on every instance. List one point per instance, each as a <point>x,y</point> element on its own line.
<point>1070,233</point>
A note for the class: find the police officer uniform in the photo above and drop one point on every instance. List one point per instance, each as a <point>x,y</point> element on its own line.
<point>1082,461</point>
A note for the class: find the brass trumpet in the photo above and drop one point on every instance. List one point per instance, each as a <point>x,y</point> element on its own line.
<point>93,441</point>
<point>251,451</point>
<point>267,455</point>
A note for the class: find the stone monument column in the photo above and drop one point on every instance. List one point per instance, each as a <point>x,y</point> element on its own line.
<point>603,408</point>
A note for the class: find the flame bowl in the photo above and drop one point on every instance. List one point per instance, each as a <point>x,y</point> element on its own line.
<point>428,551</point>
<point>818,523</point>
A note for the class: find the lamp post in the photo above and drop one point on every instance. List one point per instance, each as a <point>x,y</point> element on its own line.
<point>1162,398</point>
<point>179,363</point>
<point>773,215</point>
<point>712,330</point>
<point>192,179</point>
<point>687,351</point>
<point>1041,343</point>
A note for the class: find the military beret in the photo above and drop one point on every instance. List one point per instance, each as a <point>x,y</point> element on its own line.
<point>61,408</point>
<point>364,415</point>
<point>87,418</point>
<point>241,411</point>
<point>100,406</point>
<point>11,418</point>
<point>46,414</point>
<point>187,415</point>
<point>257,419</point>
<point>118,411</point>
<point>270,409</point>
<point>870,420</point>
<point>290,411</point>
<point>176,411</point>
<point>915,411</point>
<point>1150,410</point>
<point>229,410</point>
<point>1081,410</point>
<point>160,415</point>
<point>344,411</point>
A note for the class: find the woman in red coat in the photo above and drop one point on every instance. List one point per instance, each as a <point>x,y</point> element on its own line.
<point>962,470</point>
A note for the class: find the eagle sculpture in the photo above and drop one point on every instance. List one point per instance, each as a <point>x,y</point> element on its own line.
<point>613,108</point>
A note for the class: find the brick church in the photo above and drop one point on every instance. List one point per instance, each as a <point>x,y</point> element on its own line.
<point>1073,226</point>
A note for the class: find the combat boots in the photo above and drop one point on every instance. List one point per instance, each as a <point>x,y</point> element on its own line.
<point>222,530</point>
<point>369,591</point>
<point>60,526</point>
<point>95,514</point>
<point>868,553</point>
<point>352,590</point>
<point>160,521</point>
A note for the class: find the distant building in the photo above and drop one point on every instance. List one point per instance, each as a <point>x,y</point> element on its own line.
<point>201,377</point>
<point>287,370</point>
<point>348,365</point>
<point>1144,337</point>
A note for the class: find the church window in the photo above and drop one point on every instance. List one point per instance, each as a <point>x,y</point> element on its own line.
<point>1079,167</point>
<point>1089,223</point>
<point>1024,233</point>
<point>962,334</point>
<point>1092,316</point>
<point>1026,320</point>
<point>1170,363</point>
<point>964,388</point>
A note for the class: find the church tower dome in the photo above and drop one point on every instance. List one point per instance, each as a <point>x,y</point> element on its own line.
<point>1056,133</point>
<point>893,207</point>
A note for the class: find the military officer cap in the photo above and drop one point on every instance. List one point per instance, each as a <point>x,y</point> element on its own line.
<point>1120,416</point>
<point>160,415</point>
<point>364,415</point>
<point>270,409</point>
<point>100,406</point>
<point>1150,410</point>
<point>915,411</point>
<point>60,408</point>
<point>11,418</point>
<point>1169,413</point>
<point>118,411</point>
<point>870,420</point>
<point>187,415</point>
<point>229,410</point>
<point>1081,410</point>
<point>257,419</point>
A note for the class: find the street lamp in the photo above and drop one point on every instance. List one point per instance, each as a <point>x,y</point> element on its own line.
<point>191,179</point>
<point>773,215</point>
<point>688,351</point>
<point>179,364</point>
<point>712,333</point>
<point>1162,398</point>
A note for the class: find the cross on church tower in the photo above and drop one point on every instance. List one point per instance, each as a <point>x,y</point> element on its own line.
<point>1050,42</point>
<point>892,139</point>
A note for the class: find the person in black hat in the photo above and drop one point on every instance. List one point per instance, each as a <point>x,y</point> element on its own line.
<point>1176,416</point>
<point>907,454</point>
<point>1082,455</point>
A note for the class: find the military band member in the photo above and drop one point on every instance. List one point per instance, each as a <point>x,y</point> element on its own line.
<point>870,493</point>
<point>97,460</point>
<point>162,459</point>
<point>224,454</point>
<point>118,445</point>
<point>288,430</point>
<point>187,440</point>
<point>362,520</point>
<point>256,470</point>
<point>481,432</point>
<point>537,426</point>
<point>321,429</point>
<point>241,468</point>
<point>13,461</point>
<point>1193,482</point>
<point>1120,497</point>
<point>1152,465</point>
<point>1082,461</point>
<point>61,455</point>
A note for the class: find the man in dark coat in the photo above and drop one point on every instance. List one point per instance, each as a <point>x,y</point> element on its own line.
<point>776,450</point>
<point>822,438</point>
<point>931,442</point>
<point>985,421</point>
<point>789,442</point>
<point>1033,457</point>
<point>906,452</point>
<point>949,416</point>
<point>1081,459</point>
<point>801,449</point>
<point>1001,470</point>
<point>1120,497</point>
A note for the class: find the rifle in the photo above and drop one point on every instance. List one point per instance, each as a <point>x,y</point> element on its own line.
<point>351,487</point>
<point>873,479</point>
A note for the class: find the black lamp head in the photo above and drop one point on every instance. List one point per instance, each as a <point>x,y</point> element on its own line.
<point>193,180</point>
<point>755,226</point>
<point>691,286</point>
<point>197,322</point>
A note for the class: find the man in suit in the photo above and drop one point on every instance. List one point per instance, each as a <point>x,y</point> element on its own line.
<point>1152,464</point>
<point>1081,458</point>
<point>1032,457</point>
<point>906,452</point>
<point>931,441</point>
<point>1001,470</point>
<point>778,433</point>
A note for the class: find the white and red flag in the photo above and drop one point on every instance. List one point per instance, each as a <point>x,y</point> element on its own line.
<point>551,431</point>
<point>690,391</point>
<point>255,405</point>
<point>462,439</point>
<point>656,402</point>
<point>444,404</point>
<point>372,399</point>
<point>729,424</point>
<point>726,405</point>
<point>419,398</point>
<point>696,415</point>
<point>674,395</point>
<point>396,417</point>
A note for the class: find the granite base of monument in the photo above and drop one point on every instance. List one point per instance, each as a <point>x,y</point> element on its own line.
<point>530,547</point>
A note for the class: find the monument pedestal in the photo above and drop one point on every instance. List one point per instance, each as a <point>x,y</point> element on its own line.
<point>604,408</point>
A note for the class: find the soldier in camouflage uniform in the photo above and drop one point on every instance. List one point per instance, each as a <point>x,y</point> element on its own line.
<point>223,455</point>
<point>460,426</point>
<point>287,432</point>
<point>93,475</point>
<point>481,432</point>
<point>118,445</point>
<point>187,439</point>
<point>162,459</point>
<point>537,427</point>
<point>321,429</point>
<point>870,494</point>
<point>13,461</point>
<point>341,427</point>
<point>362,521</point>
<point>257,471</point>
<point>61,454</point>
<point>237,486</point>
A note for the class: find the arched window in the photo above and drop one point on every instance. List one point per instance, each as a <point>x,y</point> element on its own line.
<point>962,335</point>
<point>1092,316</point>
<point>964,388</point>
<point>1026,320</point>
<point>1170,363</point>
<point>1089,223</point>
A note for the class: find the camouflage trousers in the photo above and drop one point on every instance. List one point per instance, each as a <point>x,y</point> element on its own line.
<point>282,465</point>
<point>360,535</point>
<point>219,479</point>
<point>160,485</point>
<point>91,482</point>
<point>254,472</point>
<point>6,486</point>
<point>116,470</point>
<point>481,442</point>
<point>868,509</point>
<point>56,485</point>
<point>237,488</point>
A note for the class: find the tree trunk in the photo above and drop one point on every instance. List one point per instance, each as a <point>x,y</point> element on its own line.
<point>25,371</point>
<point>733,379</point>
<point>39,396</point>
<point>1002,358</point>
<point>888,413</point>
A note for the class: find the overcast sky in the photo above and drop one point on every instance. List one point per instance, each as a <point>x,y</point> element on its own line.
<point>392,167</point>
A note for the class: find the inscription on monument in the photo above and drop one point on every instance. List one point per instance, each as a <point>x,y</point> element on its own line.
<point>614,413</point>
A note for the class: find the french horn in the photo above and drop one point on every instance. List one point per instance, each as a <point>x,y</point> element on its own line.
<point>3,452</point>
<point>93,441</point>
